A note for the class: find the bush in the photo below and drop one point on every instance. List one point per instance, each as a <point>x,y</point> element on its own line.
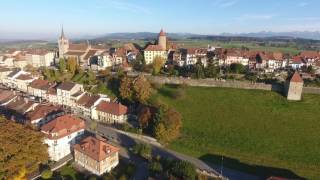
<point>155,167</point>
<point>184,169</point>
<point>46,174</point>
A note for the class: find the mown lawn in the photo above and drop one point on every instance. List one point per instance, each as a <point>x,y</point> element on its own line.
<point>259,132</point>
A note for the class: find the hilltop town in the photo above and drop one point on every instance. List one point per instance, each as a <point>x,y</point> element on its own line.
<point>97,107</point>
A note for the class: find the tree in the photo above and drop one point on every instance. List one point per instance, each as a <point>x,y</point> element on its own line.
<point>184,170</point>
<point>21,148</point>
<point>144,150</point>
<point>126,89</point>
<point>46,174</point>
<point>237,68</point>
<point>199,71</point>
<point>157,64</point>
<point>211,71</point>
<point>72,65</point>
<point>142,89</point>
<point>167,124</point>
<point>62,65</point>
<point>144,117</point>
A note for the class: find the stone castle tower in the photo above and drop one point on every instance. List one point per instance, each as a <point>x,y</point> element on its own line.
<point>162,40</point>
<point>294,87</point>
<point>63,44</point>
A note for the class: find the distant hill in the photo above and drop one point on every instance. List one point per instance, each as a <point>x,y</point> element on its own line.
<point>263,34</point>
<point>315,35</point>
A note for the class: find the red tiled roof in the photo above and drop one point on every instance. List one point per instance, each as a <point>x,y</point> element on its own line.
<point>75,53</point>
<point>310,54</point>
<point>40,84</point>
<point>89,54</point>
<point>296,78</point>
<point>42,111</point>
<point>67,86</point>
<point>20,105</point>
<point>63,126</point>
<point>154,48</point>
<point>24,77</point>
<point>112,108</point>
<point>297,60</point>
<point>88,100</point>
<point>78,47</point>
<point>95,148</point>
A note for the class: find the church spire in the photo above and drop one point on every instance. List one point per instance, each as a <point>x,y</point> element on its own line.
<point>62,33</point>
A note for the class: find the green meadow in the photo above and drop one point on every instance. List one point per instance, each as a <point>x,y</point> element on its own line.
<point>258,132</point>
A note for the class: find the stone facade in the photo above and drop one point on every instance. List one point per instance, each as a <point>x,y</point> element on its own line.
<point>294,87</point>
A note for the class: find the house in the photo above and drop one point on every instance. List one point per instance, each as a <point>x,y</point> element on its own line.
<point>51,95</point>
<point>235,56</point>
<point>294,87</point>
<point>42,114</point>
<point>111,113</point>
<point>39,88</point>
<point>39,57</point>
<point>296,62</point>
<point>4,72</point>
<point>96,155</point>
<point>18,107</point>
<point>65,91</point>
<point>61,133</point>
<point>6,97</point>
<point>195,55</point>
<point>87,102</point>
<point>160,49</point>
<point>22,82</point>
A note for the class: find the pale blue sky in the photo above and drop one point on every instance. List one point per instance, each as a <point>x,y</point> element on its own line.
<point>43,18</point>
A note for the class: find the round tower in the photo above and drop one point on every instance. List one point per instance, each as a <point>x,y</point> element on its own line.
<point>162,40</point>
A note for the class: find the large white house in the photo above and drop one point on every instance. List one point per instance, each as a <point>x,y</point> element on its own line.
<point>65,91</point>
<point>61,133</point>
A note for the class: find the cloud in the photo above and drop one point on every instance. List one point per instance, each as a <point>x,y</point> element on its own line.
<point>247,17</point>
<point>224,3</point>
<point>126,6</point>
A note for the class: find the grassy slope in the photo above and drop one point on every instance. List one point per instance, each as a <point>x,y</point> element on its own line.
<point>255,127</point>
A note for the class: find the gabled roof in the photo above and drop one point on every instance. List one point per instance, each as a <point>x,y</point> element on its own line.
<point>95,148</point>
<point>75,53</point>
<point>13,73</point>
<point>42,111</point>
<point>20,105</point>
<point>88,100</point>
<point>24,77</point>
<point>78,47</point>
<point>296,78</point>
<point>63,126</point>
<point>40,84</point>
<point>89,54</point>
<point>112,108</point>
<point>154,48</point>
<point>67,86</point>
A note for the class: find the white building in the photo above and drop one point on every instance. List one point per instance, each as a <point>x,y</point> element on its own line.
<point>110,113</point>
<point>61,133</point>
<point>65,91</point>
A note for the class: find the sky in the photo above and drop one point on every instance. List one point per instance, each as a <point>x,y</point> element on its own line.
<point>41,19</point>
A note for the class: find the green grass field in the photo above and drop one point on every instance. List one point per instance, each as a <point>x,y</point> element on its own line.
<point>236,44</point>
<point>258,132</point>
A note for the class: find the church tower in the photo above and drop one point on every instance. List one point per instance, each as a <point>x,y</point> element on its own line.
<point>162,40</point>
<point>63,44</point>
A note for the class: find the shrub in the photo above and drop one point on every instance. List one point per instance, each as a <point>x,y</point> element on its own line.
<point>46,174</point>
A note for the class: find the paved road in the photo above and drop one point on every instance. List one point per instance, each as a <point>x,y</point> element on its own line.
<point>127,141</point>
